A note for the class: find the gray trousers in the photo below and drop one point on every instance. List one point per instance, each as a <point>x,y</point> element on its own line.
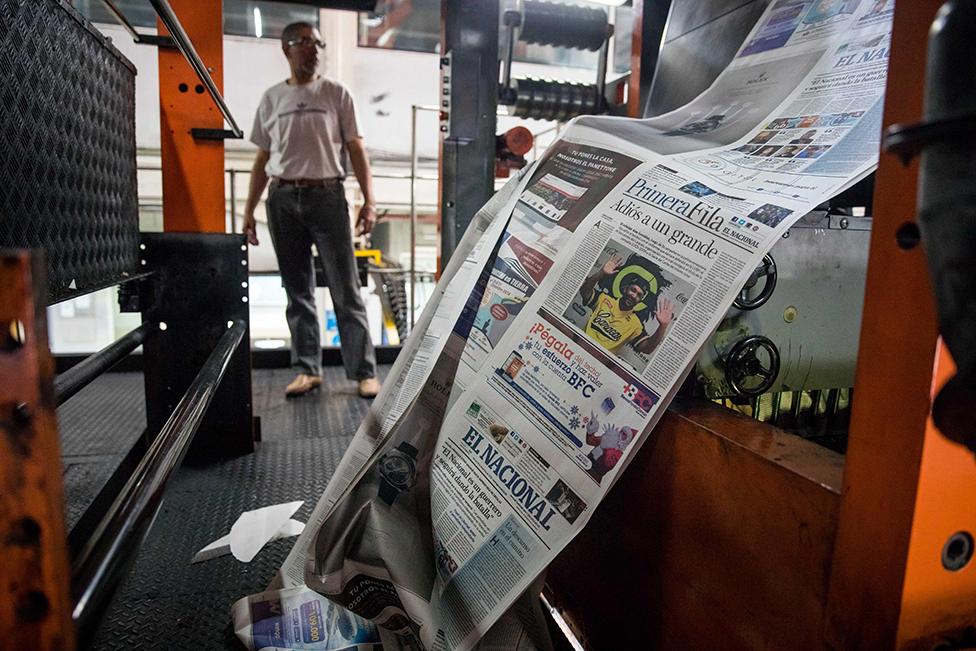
<point>297,218</point>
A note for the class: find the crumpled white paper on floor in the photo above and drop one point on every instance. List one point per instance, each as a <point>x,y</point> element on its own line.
<point>252,531</point>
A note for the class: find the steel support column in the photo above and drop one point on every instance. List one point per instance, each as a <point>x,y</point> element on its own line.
<point>469,47</point>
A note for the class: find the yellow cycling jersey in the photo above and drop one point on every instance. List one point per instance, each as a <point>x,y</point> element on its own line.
<point>610,326</point>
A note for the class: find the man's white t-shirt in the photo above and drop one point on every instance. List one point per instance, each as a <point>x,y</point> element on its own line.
<point>305,128</point>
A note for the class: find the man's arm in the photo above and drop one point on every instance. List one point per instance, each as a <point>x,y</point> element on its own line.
<point>360,165</point>
<point>588,288</point>
<point>259,179</point>
<point>664,316</point>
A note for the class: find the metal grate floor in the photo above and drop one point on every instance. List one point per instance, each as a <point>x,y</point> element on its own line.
<point>165,602</point>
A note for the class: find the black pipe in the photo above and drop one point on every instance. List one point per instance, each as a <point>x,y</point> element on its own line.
<point>178,34</point>
<point>79,376</point>
<point>123,528</point>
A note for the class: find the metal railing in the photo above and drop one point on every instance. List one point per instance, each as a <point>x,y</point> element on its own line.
<point>137,37</point>
<point>79,376</point>
<point>178,34</point>
<point>120,531</point>
<point>179,39</point>
<point>413,208</point>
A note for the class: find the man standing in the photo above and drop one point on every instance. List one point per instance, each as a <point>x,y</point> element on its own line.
<point>302,129</point>
<point>613,322</point>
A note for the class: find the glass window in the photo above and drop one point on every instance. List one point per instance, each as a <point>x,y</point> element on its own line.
<point>623,36</point>
<point>264,19</point>
<point>138,12</point>
<point>415,25</point>
<point>241,17</point>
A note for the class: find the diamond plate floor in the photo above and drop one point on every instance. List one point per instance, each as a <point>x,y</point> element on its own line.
<point>332,408</point>
<point>97,427</point>
<point>165,602</point>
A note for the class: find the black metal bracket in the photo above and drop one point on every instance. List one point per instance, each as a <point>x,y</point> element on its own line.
<point>200,289</point>
<point>136,295</point>
<point>908,140</point>
<point>203,133</point>
<point>154,39</point>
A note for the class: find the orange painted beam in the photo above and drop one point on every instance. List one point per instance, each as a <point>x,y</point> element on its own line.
<point>634,109</point>
<point>193,170</point>
<point>938,603</point>
<point>892,385</point>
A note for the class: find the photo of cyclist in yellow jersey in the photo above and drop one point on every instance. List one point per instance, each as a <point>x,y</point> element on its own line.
<point>615,320</point>
<point>627,304</point>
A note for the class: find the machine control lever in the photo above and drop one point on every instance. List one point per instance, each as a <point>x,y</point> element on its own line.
<point>767,270</point>
<point>752,365</point>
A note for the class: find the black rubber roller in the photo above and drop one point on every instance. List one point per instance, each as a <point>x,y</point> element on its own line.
<point>547,23</point>
<point>546,99</point>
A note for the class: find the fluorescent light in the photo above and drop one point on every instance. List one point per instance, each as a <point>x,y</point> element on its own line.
<point>270,344</point>
<point>258,26</point>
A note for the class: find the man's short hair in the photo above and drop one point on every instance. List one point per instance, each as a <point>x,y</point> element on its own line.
<point>290,32</point>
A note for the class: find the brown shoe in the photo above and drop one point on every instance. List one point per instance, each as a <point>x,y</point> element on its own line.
<point>302,385</point>
<point>369,387</point>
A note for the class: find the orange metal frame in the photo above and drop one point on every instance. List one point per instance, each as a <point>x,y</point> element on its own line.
<point>193,170</point>
<point>906,488</point>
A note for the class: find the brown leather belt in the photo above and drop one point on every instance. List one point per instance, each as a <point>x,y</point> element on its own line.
<point>311,183</point>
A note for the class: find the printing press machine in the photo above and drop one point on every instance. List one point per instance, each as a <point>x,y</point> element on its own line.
<point>844,527</point>
<point>786,352</point>
<point>848,527</point>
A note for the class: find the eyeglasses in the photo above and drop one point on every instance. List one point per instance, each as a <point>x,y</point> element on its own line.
<point>306,41</point>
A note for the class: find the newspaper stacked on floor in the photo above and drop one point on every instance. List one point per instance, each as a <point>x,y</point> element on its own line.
<point>572,310</point>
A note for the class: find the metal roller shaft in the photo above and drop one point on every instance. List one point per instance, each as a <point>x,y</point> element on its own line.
<point>547,23</point>
<point>545,99</point>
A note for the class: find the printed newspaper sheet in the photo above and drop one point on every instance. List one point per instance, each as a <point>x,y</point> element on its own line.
<point>585,293</point>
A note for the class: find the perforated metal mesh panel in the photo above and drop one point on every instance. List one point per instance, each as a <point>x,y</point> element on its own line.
<point>67,146</point>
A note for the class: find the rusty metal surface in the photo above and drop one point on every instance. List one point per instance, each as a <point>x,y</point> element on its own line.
<point>718,536</point>
<point>35,607</point>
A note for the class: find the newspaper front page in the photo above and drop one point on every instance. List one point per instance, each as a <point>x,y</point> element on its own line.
<point>586,302</point>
